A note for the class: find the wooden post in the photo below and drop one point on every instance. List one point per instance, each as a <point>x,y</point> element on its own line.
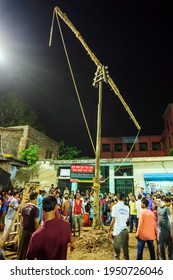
<point>96,185</point>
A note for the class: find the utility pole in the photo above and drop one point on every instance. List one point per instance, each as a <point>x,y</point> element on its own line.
<point>101,76</point>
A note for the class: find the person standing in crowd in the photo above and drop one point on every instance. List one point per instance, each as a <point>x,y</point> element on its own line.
<point>120,216</point>
<point>52,189</point>
<point>3,209</point>
<point>66,208</point>
<point>78,210</point>
<point>102,207</point>
<point>164,226</point>
<point>59,200</point>
<point>66,191</point>
<point>40,199</point>
<point>13,206</point>
<point>71,199</point>
<point>126,201</point>
<point>138,206</point>
<point>133,213</point>
<point>50,241</point>
<point>29,223</point>
<point>154,209</point>
<point>150,200</point>
<point>146,231</point>
<point>142,192</point>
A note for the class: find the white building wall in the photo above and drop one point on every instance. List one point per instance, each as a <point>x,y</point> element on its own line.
<point>142,167</point>
<point>46,175</point>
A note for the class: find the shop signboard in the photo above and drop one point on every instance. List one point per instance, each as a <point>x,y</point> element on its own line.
<point>81,173</point>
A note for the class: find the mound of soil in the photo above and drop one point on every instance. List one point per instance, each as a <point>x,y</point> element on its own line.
<point>94,245</point>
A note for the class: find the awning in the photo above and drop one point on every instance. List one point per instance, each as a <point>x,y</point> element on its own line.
<point>158,177</point>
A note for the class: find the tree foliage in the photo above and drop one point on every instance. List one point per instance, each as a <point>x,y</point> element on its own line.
<point>14,112</point>
<point>66,152</point>
<point>171,152</point>
<point>30,155</point>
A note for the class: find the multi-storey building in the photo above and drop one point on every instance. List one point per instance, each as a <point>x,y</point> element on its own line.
<point>145,146</point>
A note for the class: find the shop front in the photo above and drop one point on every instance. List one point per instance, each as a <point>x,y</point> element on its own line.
<point>158,182</point>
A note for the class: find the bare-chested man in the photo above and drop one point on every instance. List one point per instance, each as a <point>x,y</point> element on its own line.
<point>66,207</point>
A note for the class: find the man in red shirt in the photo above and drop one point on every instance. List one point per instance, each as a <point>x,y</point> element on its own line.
<point>77,212</point>
<point>50,241</point>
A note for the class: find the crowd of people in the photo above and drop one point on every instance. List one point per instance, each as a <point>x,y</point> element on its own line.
<point>45,216</point>
<point>151,217</point>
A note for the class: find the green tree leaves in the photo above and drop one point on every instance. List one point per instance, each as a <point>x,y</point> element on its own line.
<point>66,152</point>
<point>30,155</point>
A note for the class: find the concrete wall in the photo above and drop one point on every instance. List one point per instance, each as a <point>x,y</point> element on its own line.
<point>47,172</point>
<point>44,173</point>
<point>18,138</point>
<point>10,140</point>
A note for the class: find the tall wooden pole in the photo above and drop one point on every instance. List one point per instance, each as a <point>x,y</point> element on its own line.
<point>94,59</point>
<point>96,185</point>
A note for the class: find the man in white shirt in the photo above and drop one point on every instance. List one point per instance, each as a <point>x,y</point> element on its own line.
<point>120,216</point>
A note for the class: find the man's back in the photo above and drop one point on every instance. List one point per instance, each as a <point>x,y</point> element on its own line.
<point>29,213</point>
<point>147,225</point>
<point>121,213</point>
<point>163,218</point>
<point>50,241</point>
<point>66,205</point>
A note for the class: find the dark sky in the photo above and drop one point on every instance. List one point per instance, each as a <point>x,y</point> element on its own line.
<point>133,38</point>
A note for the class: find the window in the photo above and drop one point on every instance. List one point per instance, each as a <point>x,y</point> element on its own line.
<point>167,125</point>
<point>129,146</point>
<point>156,146</point>
<point>124,170</point>
<point>48,154</point>
<point>143,147</point>
<point>63,172</point>
<point>105,147</point>
<point>118,147</point>
<point>164,143</point>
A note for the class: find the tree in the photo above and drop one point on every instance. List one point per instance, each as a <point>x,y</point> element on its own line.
<point>171,152</point>
<point>30,155</point>
<point>14,112</point>
<point>66,152</point>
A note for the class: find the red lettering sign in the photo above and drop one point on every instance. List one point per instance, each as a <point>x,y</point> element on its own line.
<point>82,168</point>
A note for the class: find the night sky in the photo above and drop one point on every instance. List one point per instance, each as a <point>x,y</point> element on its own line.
<point>133,38</point>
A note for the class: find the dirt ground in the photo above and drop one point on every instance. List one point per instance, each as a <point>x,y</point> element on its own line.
<point>93,245</point>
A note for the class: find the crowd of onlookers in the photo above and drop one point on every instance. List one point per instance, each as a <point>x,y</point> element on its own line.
<point>77,207</point>
<point>107,200</point>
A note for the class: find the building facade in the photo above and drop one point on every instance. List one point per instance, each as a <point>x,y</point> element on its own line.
<point>14,140</point>
<point>152,173</point>
<point>18,138</point>
<point>145,146</point>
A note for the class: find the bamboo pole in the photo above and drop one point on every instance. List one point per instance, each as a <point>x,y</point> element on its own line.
<point>95,60</point>
<point>96,186</point>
